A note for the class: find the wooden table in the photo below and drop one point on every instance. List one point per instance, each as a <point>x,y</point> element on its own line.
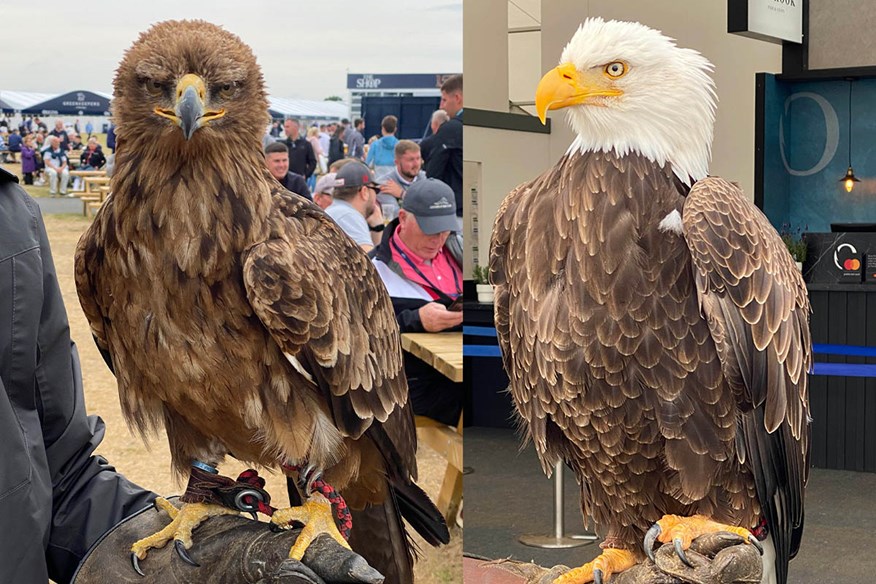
<point>443,351</point>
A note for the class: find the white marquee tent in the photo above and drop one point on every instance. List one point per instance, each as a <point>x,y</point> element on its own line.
<point>280,107</point>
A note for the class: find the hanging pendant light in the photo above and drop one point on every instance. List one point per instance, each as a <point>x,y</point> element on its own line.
<point>850,179</point>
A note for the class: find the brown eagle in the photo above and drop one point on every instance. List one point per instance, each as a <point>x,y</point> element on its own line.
<point>237,315</point>
<point>652,323</point>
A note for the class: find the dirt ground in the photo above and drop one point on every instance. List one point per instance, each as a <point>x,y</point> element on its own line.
<point>149,464</point>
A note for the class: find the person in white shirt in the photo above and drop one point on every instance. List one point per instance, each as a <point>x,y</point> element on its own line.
<point>355,207</point>
<point>57,167</point>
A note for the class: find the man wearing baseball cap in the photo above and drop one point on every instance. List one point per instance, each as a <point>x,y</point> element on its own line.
<point>355,207</point>
<point>419,260</point>
<point>323,194</point>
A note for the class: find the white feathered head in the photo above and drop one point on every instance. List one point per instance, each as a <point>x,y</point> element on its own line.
<point>629,88</point>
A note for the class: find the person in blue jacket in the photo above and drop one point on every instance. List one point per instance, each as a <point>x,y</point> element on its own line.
<point>381,154</point>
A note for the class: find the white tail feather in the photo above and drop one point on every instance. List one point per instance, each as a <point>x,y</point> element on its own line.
<point>769,561</point>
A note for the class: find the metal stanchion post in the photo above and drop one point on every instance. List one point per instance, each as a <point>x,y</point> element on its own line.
<point>559,540</point>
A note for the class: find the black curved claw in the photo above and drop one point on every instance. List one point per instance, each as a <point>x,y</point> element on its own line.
<point>650,538</point>
<point>254,516</point>
<point>754,541</point>
<point>597,576</point>
<point>275,528</point>
<point>135,562</point>
<point>680,551</point>
<point>184,554</point>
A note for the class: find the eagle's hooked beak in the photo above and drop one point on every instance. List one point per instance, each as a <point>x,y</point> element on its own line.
<point>563,86</point>
<point>190,113</point>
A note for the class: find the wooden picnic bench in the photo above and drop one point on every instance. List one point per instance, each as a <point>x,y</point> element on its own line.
<point>92,202</point>
<point>443,351</point>
<point>83,174</point>
<point>95,181</point>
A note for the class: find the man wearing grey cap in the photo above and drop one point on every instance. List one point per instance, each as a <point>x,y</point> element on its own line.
<point>355,207</point>
<point>419,260</point>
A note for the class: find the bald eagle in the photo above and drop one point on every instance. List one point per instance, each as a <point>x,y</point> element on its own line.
<point>238,316</point>
<point>652,323</point>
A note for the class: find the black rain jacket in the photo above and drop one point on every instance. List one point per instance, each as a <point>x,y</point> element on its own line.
<point>56,496</point>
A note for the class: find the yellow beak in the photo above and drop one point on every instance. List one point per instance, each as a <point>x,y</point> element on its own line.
<point>190,111</point>
<point>563,86</point>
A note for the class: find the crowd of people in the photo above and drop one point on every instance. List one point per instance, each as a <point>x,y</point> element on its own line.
<point>45,155</point>
<point>402,203</point>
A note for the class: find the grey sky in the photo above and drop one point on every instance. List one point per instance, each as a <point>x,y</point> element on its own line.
<point>305,48</point>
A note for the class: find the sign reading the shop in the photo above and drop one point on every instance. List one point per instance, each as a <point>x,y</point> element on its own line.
<point>377,81</point>
<point>768,20</point>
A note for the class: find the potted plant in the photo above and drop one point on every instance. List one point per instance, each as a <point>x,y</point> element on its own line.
<point>796,244</point>
<point>482,280</point>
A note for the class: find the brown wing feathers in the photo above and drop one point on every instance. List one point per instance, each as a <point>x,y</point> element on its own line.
<point>764,305</point>
<point>757,307</point>
<point>351,336</point>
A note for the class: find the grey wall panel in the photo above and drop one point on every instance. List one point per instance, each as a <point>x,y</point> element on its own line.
<point>842,33</point>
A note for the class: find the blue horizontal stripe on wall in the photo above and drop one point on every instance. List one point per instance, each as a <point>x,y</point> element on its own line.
<point>826,369</point>
<point>479,331</point>
<point>843,370</point>
<point>851,350</point>
<point>481,351</point>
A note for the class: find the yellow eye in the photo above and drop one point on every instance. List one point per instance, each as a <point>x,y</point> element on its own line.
<point>616,69</point>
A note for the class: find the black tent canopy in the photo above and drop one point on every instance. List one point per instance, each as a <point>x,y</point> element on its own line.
<point>73,103</point>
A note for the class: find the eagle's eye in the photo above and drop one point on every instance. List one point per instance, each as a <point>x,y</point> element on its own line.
<point>226,90</point>
<point>153,87</point>
<point>616,69</point>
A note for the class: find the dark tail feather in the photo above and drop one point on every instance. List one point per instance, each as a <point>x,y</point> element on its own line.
<point>419,510</point>
<point>379,536</point>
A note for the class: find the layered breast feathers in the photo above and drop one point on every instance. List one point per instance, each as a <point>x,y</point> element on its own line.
<point>595,312</point>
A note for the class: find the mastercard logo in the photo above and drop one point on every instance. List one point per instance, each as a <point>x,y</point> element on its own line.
<point>852,264</point>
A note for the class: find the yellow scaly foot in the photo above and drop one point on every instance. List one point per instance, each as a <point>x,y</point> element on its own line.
<point>184,521</point>
<point>317,517</point>
<point>610,561</point>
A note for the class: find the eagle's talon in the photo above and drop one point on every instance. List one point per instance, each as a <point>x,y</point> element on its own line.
<point>318,518</point>
<point>597,576</point>
<point>254,515</point>
<point>650,538</point>
<point>679,550</point>
<point>135,563</point>
<point>754,541</point>
<point>184,554</point>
